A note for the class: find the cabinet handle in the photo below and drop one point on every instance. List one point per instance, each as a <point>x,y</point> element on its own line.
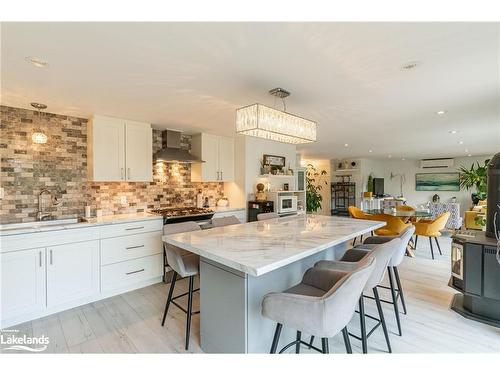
<point>40,258</point>
<point>128,173</point>
<point>51,258</point>
<point>134,228</point>
<point>134,247</point>
<point>130,273</point>
<point>121,173</point>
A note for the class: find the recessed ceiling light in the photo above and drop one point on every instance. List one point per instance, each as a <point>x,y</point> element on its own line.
<point>370,151</point>
<point>469,155</point>
<point>441,112</point>
<point>389,156</point>
<point>410,65</point>
<point>453,131</point>
<point>346,145</point>
<point>460,142</point>
<point>38,62</point>
<point>403,159</point>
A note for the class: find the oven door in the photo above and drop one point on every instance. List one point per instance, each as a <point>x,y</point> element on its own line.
<point>457,260</point>
<point>287,203</point>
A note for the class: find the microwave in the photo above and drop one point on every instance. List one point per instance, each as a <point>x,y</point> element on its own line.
<point>287,204</point>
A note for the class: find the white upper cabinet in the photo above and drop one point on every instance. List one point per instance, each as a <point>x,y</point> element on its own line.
<point>119,150</point>
<point>226,158</point>
<point>138,151</point>
<point>218,156</point>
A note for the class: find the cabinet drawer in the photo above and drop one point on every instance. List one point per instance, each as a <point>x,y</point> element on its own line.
<point>119,249</point>
<point>126,229</point>
<point>121,274</point>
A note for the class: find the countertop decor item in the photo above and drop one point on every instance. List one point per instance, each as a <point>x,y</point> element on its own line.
<point>260,196</point>
<point>260,121</point>
<point>222,202</point>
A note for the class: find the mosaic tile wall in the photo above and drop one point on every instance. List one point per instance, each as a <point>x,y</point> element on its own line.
<point>60,166</point>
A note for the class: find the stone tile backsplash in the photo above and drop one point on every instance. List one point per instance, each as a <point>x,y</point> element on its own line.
<point>60,166</point>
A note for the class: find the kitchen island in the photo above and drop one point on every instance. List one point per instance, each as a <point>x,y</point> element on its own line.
<point>239,264</point>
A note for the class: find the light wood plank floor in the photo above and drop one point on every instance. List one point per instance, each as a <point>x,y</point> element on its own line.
<point>130,323</point>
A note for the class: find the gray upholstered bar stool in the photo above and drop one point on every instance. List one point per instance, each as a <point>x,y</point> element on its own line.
<point>382,254</point>
<point>223,221</point>
<point>322,304</point>
<point>267,216</point>
<point>184,264</point>
<point>392,270</point>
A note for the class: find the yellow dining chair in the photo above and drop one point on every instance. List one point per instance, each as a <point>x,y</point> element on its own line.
<point>394,225</point>
<point>356,213</point>
<point>431,229</point>
<point>404,207</point>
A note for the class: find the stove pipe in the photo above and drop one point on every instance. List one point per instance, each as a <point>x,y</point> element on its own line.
<point>493,196</point>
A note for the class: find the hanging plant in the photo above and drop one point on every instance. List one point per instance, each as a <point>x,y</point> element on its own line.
<point>314,186</point>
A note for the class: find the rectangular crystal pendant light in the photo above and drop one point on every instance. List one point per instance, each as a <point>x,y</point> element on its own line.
<point>258,120</point>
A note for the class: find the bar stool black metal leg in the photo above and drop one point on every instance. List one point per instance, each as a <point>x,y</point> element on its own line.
<point>432,250</point>
<point>371,233</point>
<point>382,319</point>
<point>439,247</point>
<point>276,338</point>
<point>416,239</point>
<point>394,299</point>
<point>297,346</point>
<point>364,339</point>
<point>347,342</point>
<point>324,344</point>
<point>354,241</point>
<point>400,288</point>
<point>169,298</point>
<point>189,311</point>
<point>311,342</point>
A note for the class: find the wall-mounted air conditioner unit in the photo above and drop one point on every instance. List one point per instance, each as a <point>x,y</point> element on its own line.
<point>436,163</point>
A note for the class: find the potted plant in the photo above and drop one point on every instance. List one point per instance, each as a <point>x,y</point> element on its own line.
<point>314,185</point>
<point>475,177</point>
<point>369,184</point>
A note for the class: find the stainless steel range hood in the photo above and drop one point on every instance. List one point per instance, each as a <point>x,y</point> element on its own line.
<point>171,149</point>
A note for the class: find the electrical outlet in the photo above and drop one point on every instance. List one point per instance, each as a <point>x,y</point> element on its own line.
<point>123,199</point>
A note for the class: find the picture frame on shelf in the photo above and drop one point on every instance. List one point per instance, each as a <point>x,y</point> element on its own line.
<point>274,160</point>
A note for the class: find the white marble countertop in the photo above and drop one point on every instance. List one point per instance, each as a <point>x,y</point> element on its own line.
<point>259,247</point>
<point>226,209</point>
<point>45,226</point>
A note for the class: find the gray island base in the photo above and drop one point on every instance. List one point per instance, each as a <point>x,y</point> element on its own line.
<point>242,263</point>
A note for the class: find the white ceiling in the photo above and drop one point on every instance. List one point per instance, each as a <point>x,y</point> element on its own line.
<point>346,76</point>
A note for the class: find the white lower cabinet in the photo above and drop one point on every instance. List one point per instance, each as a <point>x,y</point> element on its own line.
<point>72,272</point>
<point>22,279</point>
<point>119,275</point>
<point>61,274</point>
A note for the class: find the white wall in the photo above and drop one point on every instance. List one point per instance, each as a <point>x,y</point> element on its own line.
<point>248,154</point>
<point>383,168</point>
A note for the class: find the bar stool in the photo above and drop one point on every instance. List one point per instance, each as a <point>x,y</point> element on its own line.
<point>322,304</point>
<point>267,216</point>
<point>184,264</point>
<point>223,221</point>
<point>392,269</point>
<point>382,254</point>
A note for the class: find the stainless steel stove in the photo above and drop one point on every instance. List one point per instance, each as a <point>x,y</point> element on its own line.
<point>182,214</point>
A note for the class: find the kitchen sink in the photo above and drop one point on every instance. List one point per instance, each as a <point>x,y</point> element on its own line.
<point>42,224</point>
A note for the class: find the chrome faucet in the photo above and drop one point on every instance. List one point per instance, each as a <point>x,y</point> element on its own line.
<point>40,215</point>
